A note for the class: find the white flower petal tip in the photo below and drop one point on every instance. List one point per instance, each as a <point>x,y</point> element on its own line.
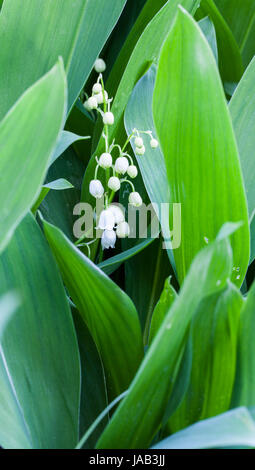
<point>138,142</point>
<point>108,118</point>
<point>121,165</point>
<point>117,213</point>
<point>154,143</point>
<point>97,88</point>
<point>132,171</point>
<point>135,199</point>
<point>106,220</point>
<point>123,230</point>
<point>105,160</point>
<point>96,188</point>
<point>140,150</point>
<point>108,239</point>
<point>114,183</point>
<point>100,65</point>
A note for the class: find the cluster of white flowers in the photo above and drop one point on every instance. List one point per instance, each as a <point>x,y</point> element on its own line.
<point>118,168</point>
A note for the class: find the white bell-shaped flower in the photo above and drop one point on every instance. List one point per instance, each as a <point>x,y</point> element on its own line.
<point>91,103</point>
<point>105,160</point>
<point>140,150</point>
<point>97,88</point>
<point>132,171</point>
<point>123,230</point>
<point>114,183</point>
<point>121,165</point>
<point>117,213</point>
<point>138,142</point>
<point>108,118</point>
<point>96,188</point>
<point>100,65</point>
<point>154,143</point>
<point>108,239</point>
<point>101,97</point>
<point>106,220</point>
<point>135,199</point>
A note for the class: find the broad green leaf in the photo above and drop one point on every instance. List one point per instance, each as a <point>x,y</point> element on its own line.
<point>167,298</point>
<point>93,387</point>
<point>66,139</point>
<point>234,428</point>
<point>252,228</point>
<point>213,337</point>
<point>57,185</point>
<point>199,146</point>
<point>244,390</point>
<point>113,263</point>
<point>39,346</point>
<point>146,51</point>
<point>57,207</point>
<point>108,312</point>
<point>74,29</point>
<point>30,147</point>
<point>230,60</point>
<point>139,416</point>
<point>209,31</point>
<point>240,16</point>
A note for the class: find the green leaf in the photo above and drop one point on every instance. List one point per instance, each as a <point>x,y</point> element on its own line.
<point>132,426</point>
<point>108,312</point>
<point>213,337</point>
<point>199,146</point>
<point>39,348</point>
<point>208,29</point>
<point>244,390</point>
<point>43,102</point>
<point>240,16</point>
<point>73,29</point>
<point>230,60</point>
<point>65,140</point>
<point>59,184</point>
<point>234,428</point>
<point>146,51</point>
<point>163,306</point>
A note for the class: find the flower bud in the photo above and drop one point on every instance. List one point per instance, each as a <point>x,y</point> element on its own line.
<point>96,188</point>
<point>91,103</point>
<point>140,150</point>
<point>106,220</point>
<point>118,213</point>
<point>154,143</point>
<point>97,88</point>
<point>100,65</point>
<point>114,183</point>
<point>123,230</point>
<point>138,142</point>
<point>100,97</point>
<point>121,165</point>
<point>105,161</point>
<point>132,171</point>
<point>108,118</point>
<point>135,199</point>
<point>108,239</point>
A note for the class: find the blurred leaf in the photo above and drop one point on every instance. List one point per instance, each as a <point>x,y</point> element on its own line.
<point>252,228</point>
<point>244,391</point>
<point>146,51</point>
<point>208,29</point>
<point>29,148</point>
<point>167,298</point>
<point>73,29</point>
<point>240,16</point>
<point>139,416</point>
<point>108,312</point>
<point>234,428</point>
<point>39,348</point>
<point>213,337</point>
<point>230,60</point>
<point>93,387</point>
<point>203,158</point>
<point>65,140</point>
